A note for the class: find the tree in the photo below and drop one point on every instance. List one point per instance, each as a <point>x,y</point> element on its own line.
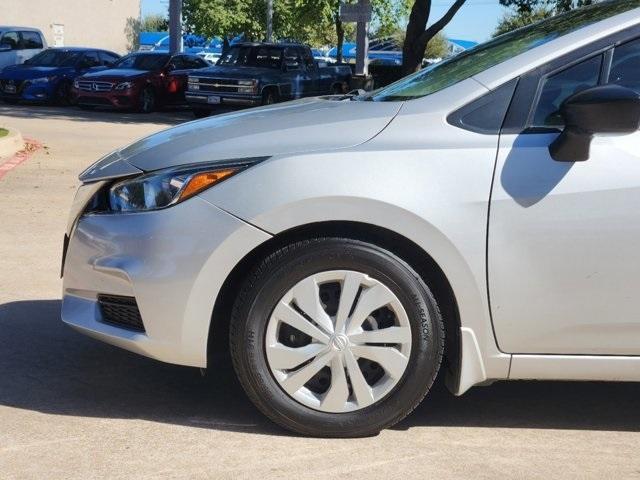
<point>154,23</point>
<point>418,34</point>
<point>557,6</point>
<point>514,20</point>
<point>526,12</point>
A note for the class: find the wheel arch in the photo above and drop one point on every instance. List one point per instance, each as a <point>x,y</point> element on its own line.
<point>399,245</point>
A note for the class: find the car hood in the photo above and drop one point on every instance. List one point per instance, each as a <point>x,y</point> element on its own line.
<point>294,127</point>
<point>28,72</point>
<point>115,73</point>
<point>236,72</point>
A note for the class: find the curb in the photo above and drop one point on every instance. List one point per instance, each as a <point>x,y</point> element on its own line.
<point>11,143</point>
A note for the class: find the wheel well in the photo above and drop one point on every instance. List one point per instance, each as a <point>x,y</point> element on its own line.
<point>401,246</point>
<point>274,88</point>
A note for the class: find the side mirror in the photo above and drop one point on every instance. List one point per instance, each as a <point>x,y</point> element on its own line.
<point>603,109</point>
<point>4,47</point>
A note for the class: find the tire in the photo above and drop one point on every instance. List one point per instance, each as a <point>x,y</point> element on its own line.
<point>270,284</point>
<point>62,94</point>
<point>269,97</point>
<point>337,89</point>
<point>147,100</point>
<point>201,112</point>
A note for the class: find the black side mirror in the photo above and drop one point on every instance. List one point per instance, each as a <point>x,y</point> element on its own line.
<point>602,109</point>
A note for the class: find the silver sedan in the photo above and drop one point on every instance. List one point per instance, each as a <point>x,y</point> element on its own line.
<point>478,220</point>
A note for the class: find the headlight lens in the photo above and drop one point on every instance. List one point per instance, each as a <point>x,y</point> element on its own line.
<point>124,86</point>
<point>165,188</point>
<point>76,84</point>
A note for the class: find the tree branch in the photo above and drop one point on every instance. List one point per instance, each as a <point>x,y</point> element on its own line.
<point>431,32</point>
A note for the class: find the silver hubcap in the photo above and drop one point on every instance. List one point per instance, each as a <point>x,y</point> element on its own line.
<point>338,341</point>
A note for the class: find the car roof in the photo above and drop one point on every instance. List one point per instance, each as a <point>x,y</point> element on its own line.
<point>14,27</point>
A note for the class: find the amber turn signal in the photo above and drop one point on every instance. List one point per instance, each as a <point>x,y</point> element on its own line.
<point>203,180</point>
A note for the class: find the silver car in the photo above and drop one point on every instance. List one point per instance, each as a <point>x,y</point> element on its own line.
<point>479,220</point>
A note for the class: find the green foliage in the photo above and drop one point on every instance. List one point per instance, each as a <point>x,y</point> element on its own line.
<point>557,6</point>
<point>438,47</point>
<point>514,20</point>
<point>309,21</point>
<point>154,23</point>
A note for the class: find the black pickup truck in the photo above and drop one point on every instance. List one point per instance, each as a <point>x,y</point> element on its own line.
<point>251,74</point>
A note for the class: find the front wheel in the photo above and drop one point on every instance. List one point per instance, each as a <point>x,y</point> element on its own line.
<point>334,337</point>
<point>269,97</point>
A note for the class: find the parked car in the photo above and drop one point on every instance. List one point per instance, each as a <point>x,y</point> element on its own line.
<point>263,73</point>
<point>18,44</point>
<point>49,75</point>
<point>478,218</point>
<point>139,81</point>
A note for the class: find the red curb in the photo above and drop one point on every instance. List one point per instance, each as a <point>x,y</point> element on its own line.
<point>31,146</point>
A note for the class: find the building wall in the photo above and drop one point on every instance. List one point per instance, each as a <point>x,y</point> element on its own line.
<point>77,23</point>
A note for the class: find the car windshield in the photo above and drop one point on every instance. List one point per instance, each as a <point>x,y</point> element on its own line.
<point>53,58</point>
<point>142,62</point>
<point>252,56</point>
<point>467,64</point>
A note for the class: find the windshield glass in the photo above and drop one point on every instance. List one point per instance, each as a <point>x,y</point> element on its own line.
<point>53,58</point>
<point>467,64</point>
<point>252,56</point>
<point>142,62</point>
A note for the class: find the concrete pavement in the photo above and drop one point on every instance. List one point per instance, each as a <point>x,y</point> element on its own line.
<point>71,407</point>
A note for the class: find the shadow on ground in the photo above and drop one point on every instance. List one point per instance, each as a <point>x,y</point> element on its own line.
<point>165,116</point>
<point>47,367</point>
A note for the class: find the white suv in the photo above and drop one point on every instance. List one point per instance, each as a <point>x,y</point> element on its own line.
<point>18,44</point>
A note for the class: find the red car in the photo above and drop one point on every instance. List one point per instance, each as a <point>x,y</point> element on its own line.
<point>139,81</point>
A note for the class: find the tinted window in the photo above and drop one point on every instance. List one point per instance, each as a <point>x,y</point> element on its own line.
<point>53,58</point>
<point>195,62</point>
<point>307,58</point>
<point>108,58</point>
<point>177,63</point>
<point>12,39</point>
<point>557,88</point>
<point>252,56</point>
<point>502,48</point>
<point>31,40</point>
<point>292,58</point>
<point>141,61</point>
<point>90,59</point>
<point>625,67</point>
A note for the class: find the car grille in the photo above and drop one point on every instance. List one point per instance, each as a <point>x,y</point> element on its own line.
<point>121,311</point>
<point>18,84</point>
<point>214,84</point>
<point>88,86</point>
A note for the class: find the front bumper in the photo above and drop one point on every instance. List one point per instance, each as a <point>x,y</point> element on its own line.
<point>29,92</point>
<point>113,99</point>
<point>201,100</point>
<point>173,262</point>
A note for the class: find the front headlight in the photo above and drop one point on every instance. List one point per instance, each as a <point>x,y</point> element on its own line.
<point>76,84</point>
<point>124,86</point>
<point>165,188</point>
<point>247,86</point>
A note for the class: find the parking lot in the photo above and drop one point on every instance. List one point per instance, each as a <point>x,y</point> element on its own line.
<point>76,408</point>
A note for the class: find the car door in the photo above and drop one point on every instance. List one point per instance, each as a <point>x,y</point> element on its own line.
<point>10,42</point>
<point>563,261</point>
<point>175,79</point>
<point>30,45</point>
<point>298,77</point>
<point>313,80</point>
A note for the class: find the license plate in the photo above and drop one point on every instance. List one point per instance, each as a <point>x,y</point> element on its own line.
<point>213,99</point>
<point>10,88</point>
